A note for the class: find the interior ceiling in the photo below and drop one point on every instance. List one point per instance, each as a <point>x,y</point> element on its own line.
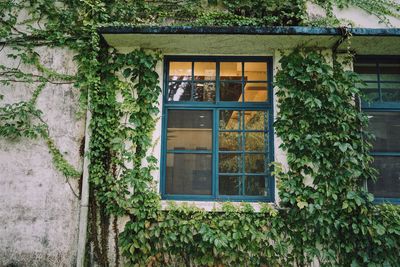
<point>248,44</point>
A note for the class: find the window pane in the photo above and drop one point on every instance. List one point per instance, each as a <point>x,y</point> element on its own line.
<point>205,70</point>
<point>255,92</point>
<point>370,91</point>
<point>256,120</point>
<point>188,174</point>
<point>386,128</point>
<point>255,141</point>
<point>229,185</point>
<point>230,119</point>
<point>204,92</point>
<point>388,183</point>
<point>255,163</point>
<point>255,71</point>
<point>255,186</point>
<point>231,71</point>
<point>390,92</point>
<point>180,70</point>
<point>367,71</point>
<point>189,130</point>
<point>389,72</point>
<point>179,91</point>
<point>230,163</point>
<point>230,91</point>
<point>230,141</point>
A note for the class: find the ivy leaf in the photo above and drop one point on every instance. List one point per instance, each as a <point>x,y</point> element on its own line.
<point>302,204</point>
<point>342,146</point>
<point>127,72</point>
<point>380,229</point>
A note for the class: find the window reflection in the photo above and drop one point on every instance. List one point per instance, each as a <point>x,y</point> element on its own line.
<point>189,130</point>
<point>180,70</point>
<point>255,92</point>
<point>230,163</point>
<point>255,71</point>
<point>179,91</point>
<point>231,71</point>
<point>204,92</point>
<point>188,174</point>
<point>229,185</point>
<point>230,119</point>
<point>386,128</point>
<point>255,186</point>
<point>389,168</point>
<point>205,70</point>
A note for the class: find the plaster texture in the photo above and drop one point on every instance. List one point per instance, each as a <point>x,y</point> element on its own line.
<point>39,213</point>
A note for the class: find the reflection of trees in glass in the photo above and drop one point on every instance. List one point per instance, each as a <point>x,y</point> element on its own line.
<point>233,141</point>
<point>230,163</point>
<point>255,185</point>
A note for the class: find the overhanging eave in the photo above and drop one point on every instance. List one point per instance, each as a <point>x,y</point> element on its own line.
<point>249,40</point>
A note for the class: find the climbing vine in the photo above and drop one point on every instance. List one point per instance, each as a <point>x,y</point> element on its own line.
<point>323,134</point>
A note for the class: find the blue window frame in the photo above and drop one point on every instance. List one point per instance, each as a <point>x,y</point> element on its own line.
<point>381,102</point>
<point>217,138</point>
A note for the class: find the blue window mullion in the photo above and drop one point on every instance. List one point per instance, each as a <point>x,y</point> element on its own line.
<point>217,83</point>
<point>378,73</point>
<point>243,149</point>
<point>215,177</point>
<point>192,83</point>
<point>243,82</point>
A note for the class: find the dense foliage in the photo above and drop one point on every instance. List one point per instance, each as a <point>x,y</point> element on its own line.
<point>322,133</point>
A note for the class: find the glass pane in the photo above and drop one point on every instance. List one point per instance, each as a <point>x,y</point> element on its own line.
<point>388,183</point>
<point>386,128</point>
<point>230,119</point>
<point>189,130</point>
<point>230,91</point>
<point>256,120</point>
<point>230,141</point>
<point>188,174</point>
<point>255,163</point>
<point>180,70</point>
<point>255,186</point>
<point>367,71</point>
<point>255,141</point>
<point>389,72</point>
<point>229,185</point>
<point>255,71</point>
<point>179,91</point>
<point>231,71</point>
<point>370,91</point>
<point>205,70</point>
<point>204,92</point>
<point>255,92</point>
<point>390,92</point>
<point>230,163</point>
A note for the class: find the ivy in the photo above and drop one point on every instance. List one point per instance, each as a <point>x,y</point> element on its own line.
<point>324,135</point>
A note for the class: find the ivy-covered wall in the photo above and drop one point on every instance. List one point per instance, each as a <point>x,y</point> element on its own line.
<point>41,140</point>
<point>39,209</point>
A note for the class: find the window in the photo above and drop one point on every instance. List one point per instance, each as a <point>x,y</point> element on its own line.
<point>217,139</point>
<point>382,104</point>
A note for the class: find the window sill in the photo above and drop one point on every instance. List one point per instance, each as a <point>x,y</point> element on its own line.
<point>212,205</point>
<point>394,201</point>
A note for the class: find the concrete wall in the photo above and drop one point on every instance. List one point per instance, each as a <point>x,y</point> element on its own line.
<point>354,16</point>
<point>39,213</point>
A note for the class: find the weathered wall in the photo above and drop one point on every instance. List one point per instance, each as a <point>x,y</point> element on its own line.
<point>39,213</point>
<point>354,15</point>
